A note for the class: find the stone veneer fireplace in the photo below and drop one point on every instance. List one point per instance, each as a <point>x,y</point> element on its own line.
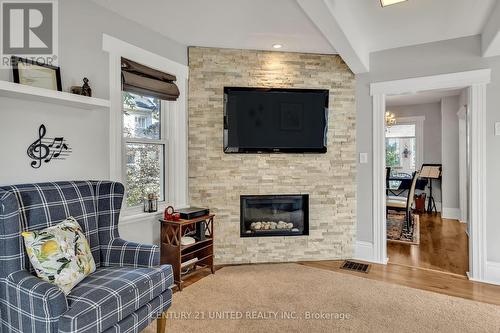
<point>218,180</point>
<point>274,215</point>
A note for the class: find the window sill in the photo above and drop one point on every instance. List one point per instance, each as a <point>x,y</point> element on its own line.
<point>129,218</point>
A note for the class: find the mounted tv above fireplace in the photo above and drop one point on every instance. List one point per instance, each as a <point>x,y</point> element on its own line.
<point>272,120</point>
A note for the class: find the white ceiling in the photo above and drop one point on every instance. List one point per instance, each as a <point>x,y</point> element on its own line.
<point>353,28</point>
<point>424,97</point>
<point>241,24</point>
<point>414,21</point>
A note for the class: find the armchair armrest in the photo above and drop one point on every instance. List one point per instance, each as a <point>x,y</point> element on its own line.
<point>122,253</point>
<point>35,303</point>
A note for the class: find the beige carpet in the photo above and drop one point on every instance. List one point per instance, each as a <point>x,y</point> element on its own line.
<point>255,298</point>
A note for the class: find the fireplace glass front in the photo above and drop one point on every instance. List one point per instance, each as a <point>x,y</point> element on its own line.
<point>274,215</point>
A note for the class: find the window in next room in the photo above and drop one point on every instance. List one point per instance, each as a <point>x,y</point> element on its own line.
<point>401,148</point>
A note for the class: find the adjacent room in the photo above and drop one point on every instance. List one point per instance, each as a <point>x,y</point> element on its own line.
<point>249,166</point>
<point>426,166</point>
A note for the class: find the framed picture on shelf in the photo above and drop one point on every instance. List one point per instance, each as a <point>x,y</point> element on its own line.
<point>32,73</point>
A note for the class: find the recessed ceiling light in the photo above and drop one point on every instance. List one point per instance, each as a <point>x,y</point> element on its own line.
<point>277,46</point>
<point>390,2</point>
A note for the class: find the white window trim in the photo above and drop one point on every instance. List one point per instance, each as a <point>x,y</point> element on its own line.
<point>165,118</point>
<point>176,151</point>
<point>418,121</point>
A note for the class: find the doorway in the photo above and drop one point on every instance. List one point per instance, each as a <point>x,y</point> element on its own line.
<point>422,136</point>
<point>475,82</point>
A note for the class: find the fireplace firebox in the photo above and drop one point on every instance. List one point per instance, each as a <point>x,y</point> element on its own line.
<point>274,215</point>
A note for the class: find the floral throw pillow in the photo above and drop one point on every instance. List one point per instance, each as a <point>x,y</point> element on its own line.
<point>60,254</point>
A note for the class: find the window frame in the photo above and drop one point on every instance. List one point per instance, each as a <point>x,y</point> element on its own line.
<point>164,141</point>
<point>418,121</point>
<point>177,151</point>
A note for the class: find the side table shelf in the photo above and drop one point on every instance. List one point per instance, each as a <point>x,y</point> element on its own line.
<point>200,254</point>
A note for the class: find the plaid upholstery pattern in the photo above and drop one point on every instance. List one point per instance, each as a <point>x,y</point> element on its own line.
<point>140,319</point>
<point>110,295</point>
<point>47,204</point>
<point>114,250</point>
<point>123,253</point>
<point>133,284</point>
<point>30,304</point>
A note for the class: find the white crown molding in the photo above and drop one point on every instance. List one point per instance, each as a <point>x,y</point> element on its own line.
<point>443,81</point>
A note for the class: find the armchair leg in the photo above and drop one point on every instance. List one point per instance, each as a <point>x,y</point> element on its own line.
<point>161,324</point>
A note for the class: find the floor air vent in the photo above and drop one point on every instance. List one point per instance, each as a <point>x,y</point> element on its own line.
<point>355,266</point>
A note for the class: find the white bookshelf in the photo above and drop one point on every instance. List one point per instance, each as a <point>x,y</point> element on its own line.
<point>19,91</point>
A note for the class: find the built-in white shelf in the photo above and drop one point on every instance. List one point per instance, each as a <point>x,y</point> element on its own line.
<point>19,91</point>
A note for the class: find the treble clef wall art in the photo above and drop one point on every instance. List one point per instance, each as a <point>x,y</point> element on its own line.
<point>46,149</point>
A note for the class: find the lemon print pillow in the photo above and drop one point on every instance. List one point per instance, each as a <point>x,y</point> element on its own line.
<point>60,254</point>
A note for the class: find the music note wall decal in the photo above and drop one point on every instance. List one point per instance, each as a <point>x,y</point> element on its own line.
<point>46,149</point>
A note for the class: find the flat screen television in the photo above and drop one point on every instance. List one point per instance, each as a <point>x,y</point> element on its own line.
<point>272,120</point>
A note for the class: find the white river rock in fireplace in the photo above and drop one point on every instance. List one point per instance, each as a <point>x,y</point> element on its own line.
<point>271,225</point>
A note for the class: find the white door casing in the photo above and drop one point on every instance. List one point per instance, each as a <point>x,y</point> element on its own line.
<point>476,82</point>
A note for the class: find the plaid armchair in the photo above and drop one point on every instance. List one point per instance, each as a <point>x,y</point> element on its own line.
<point>127,291</point>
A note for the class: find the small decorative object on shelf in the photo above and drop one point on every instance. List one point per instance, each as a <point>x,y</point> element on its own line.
<point>167,214</point>
<point>187,245</point>
<point>86,90</point>
<point>76,90</point>
<point>170,215</point>
<point>151,203</point>
<point>47,149</point>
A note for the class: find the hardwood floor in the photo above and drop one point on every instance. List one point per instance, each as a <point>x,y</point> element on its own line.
<point>444,246</point>
<point>424,279</point>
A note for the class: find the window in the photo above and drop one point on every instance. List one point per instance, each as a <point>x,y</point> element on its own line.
<point>145,145</point>
<point>401,148</point>
<point>150,156</point>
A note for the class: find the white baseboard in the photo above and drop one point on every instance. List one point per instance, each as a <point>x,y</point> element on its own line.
<point>451,213</point>
<point>363,251</point>
<point>492,272</point>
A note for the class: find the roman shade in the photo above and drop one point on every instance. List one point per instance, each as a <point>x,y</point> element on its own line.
<point>143,80</point>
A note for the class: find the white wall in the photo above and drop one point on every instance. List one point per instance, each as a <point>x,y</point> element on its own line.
<point>81,25</point>
<point>84,130</point>
<point>414,61</point>
<point>450,144</point>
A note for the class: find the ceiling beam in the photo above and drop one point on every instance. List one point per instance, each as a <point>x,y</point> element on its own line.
<point>322,15</point>
<point>490,38</point>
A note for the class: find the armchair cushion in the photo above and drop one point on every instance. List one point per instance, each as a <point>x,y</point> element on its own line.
<point>32,304</point>
<point>122,253</point>
<point>111,294</point>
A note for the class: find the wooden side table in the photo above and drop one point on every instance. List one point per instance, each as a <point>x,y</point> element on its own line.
<point>175,254</point>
